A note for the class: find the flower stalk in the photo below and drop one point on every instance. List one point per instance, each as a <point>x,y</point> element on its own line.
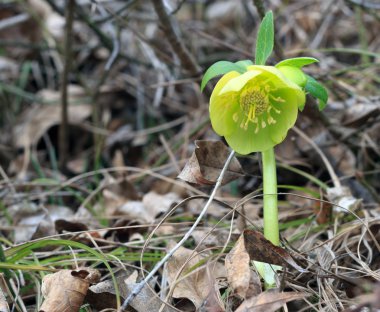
<point>271,229</point>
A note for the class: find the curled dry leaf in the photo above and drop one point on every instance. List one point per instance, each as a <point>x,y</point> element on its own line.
<point>65,290</point>
<point>207,161</point>
<point>269,301</point>
<point>238,270</point>
<point>261,249</point>
<point>196,286</point>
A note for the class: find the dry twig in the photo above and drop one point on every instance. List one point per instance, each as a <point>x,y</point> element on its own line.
<point>179,48</point>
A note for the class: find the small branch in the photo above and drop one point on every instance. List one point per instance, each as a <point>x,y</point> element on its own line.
<point>139,286</point>
<point>63,146</point>
<point>259,4</point>
<point>178,47</point>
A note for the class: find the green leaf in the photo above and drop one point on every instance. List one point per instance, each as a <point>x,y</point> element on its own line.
<point>244,64</point>
<point>220,68</point>
<point>297,62</point>
<point>317,90</point>
<point>265,39</point>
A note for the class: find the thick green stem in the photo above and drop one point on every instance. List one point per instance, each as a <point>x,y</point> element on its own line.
<point>271,231</point>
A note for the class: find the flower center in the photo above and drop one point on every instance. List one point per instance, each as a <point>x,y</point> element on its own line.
<point>254,103</point>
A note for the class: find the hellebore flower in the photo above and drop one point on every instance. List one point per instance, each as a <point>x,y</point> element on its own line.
<point>254,110</point>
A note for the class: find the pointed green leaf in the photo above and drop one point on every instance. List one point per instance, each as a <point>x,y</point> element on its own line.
<point>317,90</point>
<point>297,62</point>
<point>220,68</point>
<point>265,39</point>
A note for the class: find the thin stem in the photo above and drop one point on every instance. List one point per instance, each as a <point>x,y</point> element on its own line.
<point>271,231</point>
<point>63,144</point>
<point>140,286</point>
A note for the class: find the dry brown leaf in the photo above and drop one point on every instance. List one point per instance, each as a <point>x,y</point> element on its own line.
<point>156,204</point>
<point>135,210</point>
<point>102,295</point>
<point>269,301</point>
<point>356,115</point>
<point>39,119</point>
<point>196,286</point>
<point>207,161</point>
<point>261,249</point>
<point>3,301</point>
<point>65,290</point>
<point>238,270</point>
<point>36,221</point>
<point>342,197</point>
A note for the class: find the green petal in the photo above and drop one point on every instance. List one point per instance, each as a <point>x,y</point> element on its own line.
<point>280,81</point>
<point>279,77</point>
<point>294,74</point>
<point>247,141</point>
<point>236,84</point>
<point>288,116</point>
<point>222,108</point>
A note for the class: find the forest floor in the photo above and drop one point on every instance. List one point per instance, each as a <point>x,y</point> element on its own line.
<point>90,203</point>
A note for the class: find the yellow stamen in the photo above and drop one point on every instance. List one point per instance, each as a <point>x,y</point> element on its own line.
<point>256,107</point>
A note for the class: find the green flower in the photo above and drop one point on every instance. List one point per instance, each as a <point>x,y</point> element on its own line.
<point>255,109</point>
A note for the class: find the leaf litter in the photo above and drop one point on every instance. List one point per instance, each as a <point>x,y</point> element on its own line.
<point>134,128</point>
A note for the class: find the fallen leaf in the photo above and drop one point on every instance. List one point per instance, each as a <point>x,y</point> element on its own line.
<point>207,161</point>
<point>157,204</point>
<point>135,211</point>
<point>268,301</point>
<point>3,301</point>
<point>342,197</point>
<point>36,221</point>
<point>261,249</point>
<point>39,118</point>
<point>358,114</point>
<point>102,295</point>
<point>65,290</point>
<point>238,270</point>
<point>196,286</point>
<point>209,237</point>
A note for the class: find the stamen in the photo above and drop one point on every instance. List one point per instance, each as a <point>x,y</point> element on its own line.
<point>235,117</point>
<point>254,102</point>
<point>271,120</point>
<point>277,99</point>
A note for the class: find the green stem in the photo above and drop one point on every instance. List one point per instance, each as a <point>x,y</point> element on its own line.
<point>271,231</point>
